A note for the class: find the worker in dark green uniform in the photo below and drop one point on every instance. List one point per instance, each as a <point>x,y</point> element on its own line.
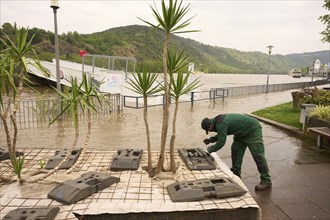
<point>247,132</point>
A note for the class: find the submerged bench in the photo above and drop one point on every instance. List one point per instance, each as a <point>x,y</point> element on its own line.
<point>321,132</point>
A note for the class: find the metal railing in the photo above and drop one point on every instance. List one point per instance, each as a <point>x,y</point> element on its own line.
<point>257,89</point>
<point>33,112</point>
<point>217,93</point>
<point>159,100</point>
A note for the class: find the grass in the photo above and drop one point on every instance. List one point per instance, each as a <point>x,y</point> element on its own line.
<point>283,113</point>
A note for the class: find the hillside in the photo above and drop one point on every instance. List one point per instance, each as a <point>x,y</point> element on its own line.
<point>145,44</point>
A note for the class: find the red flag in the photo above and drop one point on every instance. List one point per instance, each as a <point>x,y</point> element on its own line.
<point>82,52</point>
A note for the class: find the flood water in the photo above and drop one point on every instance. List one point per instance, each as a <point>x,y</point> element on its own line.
<point>127,129</point>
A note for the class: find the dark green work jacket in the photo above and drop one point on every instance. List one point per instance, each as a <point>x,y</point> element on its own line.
<point>239,125</point>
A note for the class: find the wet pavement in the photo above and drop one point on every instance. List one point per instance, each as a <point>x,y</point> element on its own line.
<point>300,172</point>
<point>300,175</point>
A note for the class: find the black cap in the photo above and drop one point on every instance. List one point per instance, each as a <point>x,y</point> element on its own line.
<point>206,124</point>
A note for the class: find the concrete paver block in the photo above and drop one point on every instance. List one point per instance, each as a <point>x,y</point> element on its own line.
<point>196,190</point>
<point>71,191</point>
<point>127,159</point>
<point>32,213</point>
<point>197,159</point>
<point>4,154</point>
<point>59,156</point>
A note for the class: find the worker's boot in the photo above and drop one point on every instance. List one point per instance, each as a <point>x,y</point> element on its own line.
<point>263,186</point>
<point>236,173</point>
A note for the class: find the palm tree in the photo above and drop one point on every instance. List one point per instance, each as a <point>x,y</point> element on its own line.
<point>80,97</point>
<point>13,78</point>
<point>178,86</point>
<point>143,84</point>
<point>169,21</point>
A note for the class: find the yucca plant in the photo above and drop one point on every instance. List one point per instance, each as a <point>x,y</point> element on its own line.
<point>179,85</point>
<point>170,20</point>
<point>13,78</point>
<point>80,97</point>
<point>144,83</point>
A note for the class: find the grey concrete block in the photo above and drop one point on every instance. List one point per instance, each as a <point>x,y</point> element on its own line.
<point>59,156</point>
<point>197,159</point>
<point>126,159</point>
<point>4,155</point>
<point>32,213</point>
<point>71,191</point>
<point>197,190</point>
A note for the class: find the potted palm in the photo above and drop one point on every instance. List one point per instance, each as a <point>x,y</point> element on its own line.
<point>144,83</point>
<point>170,21</point>
<point>179,86</point>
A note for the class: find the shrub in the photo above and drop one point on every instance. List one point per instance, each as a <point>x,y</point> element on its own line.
<point>313,95</point>
<point>320,111</point>
<point>319,97</point>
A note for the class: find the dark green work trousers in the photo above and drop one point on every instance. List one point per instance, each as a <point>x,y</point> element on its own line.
<point>255,144</point>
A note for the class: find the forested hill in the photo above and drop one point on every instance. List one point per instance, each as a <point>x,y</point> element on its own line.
<point>145,44</point>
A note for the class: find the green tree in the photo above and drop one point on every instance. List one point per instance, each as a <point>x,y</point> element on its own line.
<point>143,83</point>
<point>325,19</point>
<point>170,22</point>
<point>8,29</point>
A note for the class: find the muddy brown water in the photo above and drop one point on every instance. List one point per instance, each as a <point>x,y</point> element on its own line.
<point>127,129</point>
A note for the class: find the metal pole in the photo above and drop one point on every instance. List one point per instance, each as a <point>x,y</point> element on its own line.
<point>268,73</point>
<point>57,58</point>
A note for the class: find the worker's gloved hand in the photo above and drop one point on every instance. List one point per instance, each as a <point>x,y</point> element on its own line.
<point>213,139</point>
<point>207,141</point>
<point>209,149</point>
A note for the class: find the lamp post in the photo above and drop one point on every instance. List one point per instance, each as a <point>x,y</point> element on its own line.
<point>269,52</point>
<point>54,6</point>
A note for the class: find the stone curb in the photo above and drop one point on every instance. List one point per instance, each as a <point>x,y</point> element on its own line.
<point>278,125</point>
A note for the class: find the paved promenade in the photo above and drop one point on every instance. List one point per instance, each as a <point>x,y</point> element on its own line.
<point>300,173</point>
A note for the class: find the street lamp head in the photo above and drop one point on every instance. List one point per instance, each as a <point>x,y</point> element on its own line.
<point>270,49</point>
<point>54,4</point>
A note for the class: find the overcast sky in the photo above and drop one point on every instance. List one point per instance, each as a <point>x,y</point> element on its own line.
<point>290,26</point>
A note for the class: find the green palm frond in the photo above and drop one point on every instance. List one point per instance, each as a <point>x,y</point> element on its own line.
<point>18,50</point>
<point>7,83</point>
<point>80,97</point>
<point>143,83</point>
<point>176,61</point>
<point>170,19</point>
<point>181,85</point>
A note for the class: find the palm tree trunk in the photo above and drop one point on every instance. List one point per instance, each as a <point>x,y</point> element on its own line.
<point>4,117</point>
<point>161,158</point>
<point>172,142</point>
<point>12,148</point>
<point>84,149</point>
<point>145,117</point>
<point>13,116</point>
